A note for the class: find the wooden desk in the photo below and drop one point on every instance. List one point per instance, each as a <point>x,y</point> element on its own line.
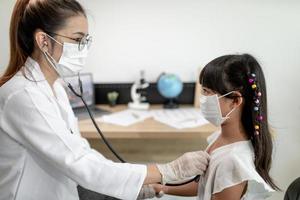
<point>147,141</point>
<point>149,128</point>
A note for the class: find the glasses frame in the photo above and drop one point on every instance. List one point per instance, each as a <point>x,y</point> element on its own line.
<point>82,42</point>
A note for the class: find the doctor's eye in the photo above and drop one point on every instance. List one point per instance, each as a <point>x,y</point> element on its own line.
<point>77,39</point>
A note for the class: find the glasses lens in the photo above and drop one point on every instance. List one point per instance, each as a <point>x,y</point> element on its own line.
<point>81,44</point>
<point>85,42</point>
<point>89,41</point>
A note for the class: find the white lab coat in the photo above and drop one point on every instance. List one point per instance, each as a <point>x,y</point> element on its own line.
<point>230,165</point>
<point>39,156</point>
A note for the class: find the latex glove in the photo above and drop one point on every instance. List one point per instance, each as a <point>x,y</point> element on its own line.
<point>188,165</point>
<point>148,192</point>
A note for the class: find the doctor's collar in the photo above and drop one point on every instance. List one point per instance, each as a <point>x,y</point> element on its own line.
<point>32,71</point>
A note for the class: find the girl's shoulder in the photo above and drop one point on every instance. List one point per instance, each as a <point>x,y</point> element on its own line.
<point>243,149</point>
<point>233,164</point>
<point>233,156</point>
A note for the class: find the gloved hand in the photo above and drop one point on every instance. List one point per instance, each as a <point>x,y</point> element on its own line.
<point>188,165</point>
<point>148,192</point>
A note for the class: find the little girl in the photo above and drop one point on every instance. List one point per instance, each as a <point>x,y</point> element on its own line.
<point>233,97</point>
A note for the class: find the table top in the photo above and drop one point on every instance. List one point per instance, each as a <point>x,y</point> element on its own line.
<point>148,128</point>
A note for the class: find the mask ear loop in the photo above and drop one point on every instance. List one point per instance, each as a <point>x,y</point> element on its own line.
<point>234,108</point>
<point>52,61</point>
<point>227,115</point>
<point>47,55</point>
<point>228,93</point>
<point>54,40</point>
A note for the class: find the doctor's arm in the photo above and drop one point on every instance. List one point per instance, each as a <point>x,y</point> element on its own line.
<point>33,120</point>
<point>188,165</point>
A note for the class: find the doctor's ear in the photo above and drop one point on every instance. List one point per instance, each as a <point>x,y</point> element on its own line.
<point>42,41</point>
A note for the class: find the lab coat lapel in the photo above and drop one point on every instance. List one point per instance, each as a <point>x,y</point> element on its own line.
<point>34,73</point>
<point>65,108</point>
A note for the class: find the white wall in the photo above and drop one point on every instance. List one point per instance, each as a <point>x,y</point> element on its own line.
<point>180,35</point>
<point>5,13</point>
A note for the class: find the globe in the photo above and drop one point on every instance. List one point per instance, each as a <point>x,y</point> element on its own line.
<point>170,87</point>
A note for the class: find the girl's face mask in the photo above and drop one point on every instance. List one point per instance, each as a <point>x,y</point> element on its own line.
<point>211,110</point>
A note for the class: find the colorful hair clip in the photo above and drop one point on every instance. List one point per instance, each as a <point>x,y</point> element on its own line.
<point>259,118</point>
<point>256,100</point>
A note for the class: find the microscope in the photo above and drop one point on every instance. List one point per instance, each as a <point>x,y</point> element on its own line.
<point>138,92</point>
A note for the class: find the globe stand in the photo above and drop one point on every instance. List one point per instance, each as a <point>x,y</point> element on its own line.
<point>171,104</point>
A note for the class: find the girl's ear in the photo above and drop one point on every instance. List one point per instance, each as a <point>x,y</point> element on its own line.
<point>238,99</point>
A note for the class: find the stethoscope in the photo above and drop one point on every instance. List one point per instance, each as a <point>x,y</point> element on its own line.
<point>80,95</point>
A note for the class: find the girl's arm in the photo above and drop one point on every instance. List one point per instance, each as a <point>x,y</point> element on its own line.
<point>234,193</point>
<point>189,189</point>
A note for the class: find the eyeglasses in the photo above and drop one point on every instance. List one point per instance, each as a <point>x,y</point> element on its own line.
<point>83,42</point>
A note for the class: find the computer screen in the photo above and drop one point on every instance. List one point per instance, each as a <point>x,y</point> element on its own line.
<point>88,90</point>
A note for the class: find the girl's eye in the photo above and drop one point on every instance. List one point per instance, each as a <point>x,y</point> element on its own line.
<point>204,91</point>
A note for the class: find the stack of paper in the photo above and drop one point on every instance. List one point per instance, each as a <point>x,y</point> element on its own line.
<point>177,118</point>
<point>180,118</point>
<point>126,117</point>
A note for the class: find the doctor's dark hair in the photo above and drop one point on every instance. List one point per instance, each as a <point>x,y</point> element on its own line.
<point>27,17</point>
<point>231,73</point>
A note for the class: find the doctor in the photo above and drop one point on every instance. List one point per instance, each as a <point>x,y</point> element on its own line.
<point>42,155</point>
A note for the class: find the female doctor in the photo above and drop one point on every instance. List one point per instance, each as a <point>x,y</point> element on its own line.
<point>42,155</point>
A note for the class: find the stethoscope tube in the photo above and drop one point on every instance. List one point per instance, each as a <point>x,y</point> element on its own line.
<point>93,120</point>
<point>196,178</point>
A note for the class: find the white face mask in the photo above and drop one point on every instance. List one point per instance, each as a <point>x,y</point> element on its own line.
<point>211,110</point>
<point>71,61</point>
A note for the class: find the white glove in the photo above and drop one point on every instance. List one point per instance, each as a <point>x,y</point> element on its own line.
<point>188,165</point>
<point>148,192</point>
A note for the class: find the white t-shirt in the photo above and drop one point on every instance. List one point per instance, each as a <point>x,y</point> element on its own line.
<point>230,165</point>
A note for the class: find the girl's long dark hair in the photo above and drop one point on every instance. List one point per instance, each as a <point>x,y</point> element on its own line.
<point>27,17</point>
<point>231,73</point>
